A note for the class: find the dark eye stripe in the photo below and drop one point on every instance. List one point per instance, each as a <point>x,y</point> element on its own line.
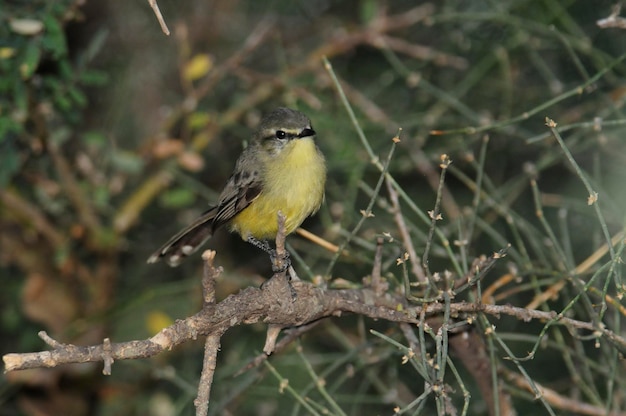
<point>283,135</point>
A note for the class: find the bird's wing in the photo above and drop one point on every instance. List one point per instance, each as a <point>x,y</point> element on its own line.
<point>187,241</point>
<point>243,187</point>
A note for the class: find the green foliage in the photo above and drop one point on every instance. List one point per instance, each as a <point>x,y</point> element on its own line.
<point>39,79</point>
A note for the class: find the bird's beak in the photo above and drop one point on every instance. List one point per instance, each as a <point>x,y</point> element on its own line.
<point>306,133</point>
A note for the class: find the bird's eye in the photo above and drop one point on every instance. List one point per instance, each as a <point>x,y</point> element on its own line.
<point>281,135</point>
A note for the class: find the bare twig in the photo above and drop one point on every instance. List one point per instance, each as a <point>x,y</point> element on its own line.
<point>281,252</point>
<point>479,269</point>
<point>208,279</point>
<point>159,16</point>
<point>212,343</point>
<point>31,215</point>
<point>557,400</point>
<point>424,53</point>
<point>333,248</point>
<point>424,166</point>
<point>211,347</point>
<point>81,201</point>
<point>470,348</point>
<point>291,335</point>
<point>106,357</point>
<point>377,283</point>
<point>435,214</point>
<point>270,339</point>
<point>418,272</point>
<point>614,19</point>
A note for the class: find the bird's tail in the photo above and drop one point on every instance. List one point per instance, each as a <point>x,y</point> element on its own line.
<point>187,241</point>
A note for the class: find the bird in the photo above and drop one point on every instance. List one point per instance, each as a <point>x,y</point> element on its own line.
<point>282,169</point>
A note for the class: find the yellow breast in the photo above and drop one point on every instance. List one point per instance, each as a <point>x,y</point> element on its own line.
<point>293,182</point>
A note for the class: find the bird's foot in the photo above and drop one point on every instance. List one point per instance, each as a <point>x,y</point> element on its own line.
<point>279,263</point>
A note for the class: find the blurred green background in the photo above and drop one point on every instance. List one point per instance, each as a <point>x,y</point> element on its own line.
<point>113,136</point>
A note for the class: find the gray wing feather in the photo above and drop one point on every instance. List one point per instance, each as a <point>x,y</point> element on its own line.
<point>243,187</point>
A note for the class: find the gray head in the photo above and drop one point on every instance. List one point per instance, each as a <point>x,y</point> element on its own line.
<point>284,124</point>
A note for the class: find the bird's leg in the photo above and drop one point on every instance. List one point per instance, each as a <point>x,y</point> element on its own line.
<point>265,246</point>
<point>285,262</point>
<point>261,244</point>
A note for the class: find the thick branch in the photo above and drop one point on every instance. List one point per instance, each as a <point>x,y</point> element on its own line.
<point>273,304</point>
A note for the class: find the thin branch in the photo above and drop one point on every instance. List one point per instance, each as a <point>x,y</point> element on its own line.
<point>418,271</point>
<point>291,335</point>
<point>212,343</point>
<point>614,19</point>
<point>159,16</point>
<point>435,215</point>
<point>208,279</point>
<point>29,214</point>
<point>562,402</point>
<point>377,283</point>
<point>211,347</point>
<point>69,183</point>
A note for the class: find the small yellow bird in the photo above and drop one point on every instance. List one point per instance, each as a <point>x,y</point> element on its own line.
<point>282,169</point>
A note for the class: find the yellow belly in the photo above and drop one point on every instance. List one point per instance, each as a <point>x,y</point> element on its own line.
<point>293,183</point>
